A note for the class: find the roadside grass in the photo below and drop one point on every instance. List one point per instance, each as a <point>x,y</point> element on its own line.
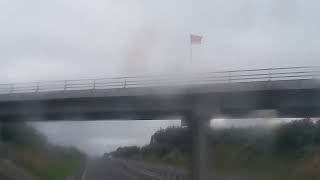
<point>3,177</point>
<point>58,169</point>
<point>225,173</point>
<point>47,163</point>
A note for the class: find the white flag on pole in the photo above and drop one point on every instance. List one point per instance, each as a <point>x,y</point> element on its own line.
<point>195,39</point>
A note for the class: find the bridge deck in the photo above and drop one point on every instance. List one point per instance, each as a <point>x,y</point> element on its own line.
<point>290,92</point>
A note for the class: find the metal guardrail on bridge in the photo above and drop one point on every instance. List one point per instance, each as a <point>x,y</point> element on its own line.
<point>250,75</point>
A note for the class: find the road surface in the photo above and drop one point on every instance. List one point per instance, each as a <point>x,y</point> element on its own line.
<point>106,169</point>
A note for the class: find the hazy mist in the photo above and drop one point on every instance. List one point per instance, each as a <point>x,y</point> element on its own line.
<point>74,39</point>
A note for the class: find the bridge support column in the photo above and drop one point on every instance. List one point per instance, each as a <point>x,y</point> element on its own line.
<point>199,125</point>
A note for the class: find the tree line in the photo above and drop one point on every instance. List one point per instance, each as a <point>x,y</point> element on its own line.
<point>286,151</point>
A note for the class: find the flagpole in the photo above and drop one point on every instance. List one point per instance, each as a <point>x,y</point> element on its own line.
<point>190,51</point>
<point>194,39</point>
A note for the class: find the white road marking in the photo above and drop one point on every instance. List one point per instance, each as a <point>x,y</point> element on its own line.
<point>84,173</point>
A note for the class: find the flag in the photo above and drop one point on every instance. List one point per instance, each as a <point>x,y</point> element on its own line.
<point>195,39</point>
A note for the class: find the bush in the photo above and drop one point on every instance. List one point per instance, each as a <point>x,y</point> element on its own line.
<point>20,133</point>
<point>295,138</point>
<point>126,151</point>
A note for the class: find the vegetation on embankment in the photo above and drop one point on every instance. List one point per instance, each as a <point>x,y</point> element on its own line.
<point>29,149</point>
<point>289,151</point>
<point>3,178</point>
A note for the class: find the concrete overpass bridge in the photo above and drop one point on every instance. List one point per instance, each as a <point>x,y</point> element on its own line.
<point>195,98</point>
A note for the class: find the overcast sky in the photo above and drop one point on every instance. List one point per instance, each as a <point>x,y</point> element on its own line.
<point>58,39</point>
<point>98,137</point>
<point>72,39</point>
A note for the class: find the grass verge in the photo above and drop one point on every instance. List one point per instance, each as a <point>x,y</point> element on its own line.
<point>50,163</point>
<point>3,177</point>
<point>235,173</point>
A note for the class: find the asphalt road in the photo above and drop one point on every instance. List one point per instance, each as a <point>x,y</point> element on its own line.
<point>106,169</point>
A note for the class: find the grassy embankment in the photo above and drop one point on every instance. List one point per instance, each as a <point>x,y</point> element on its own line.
<point>30,150</point>
<point>3,178</point>
<point>53,164</point>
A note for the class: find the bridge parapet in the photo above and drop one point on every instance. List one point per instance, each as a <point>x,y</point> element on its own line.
<point>219,77</point>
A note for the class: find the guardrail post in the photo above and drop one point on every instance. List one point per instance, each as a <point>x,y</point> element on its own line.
<point>12,89</point>
<point>125,83</point>
<point>269,75</point>
<point>37,87</point>
<point>65,85</point>
<point>94,84</point>
<point>313,73</point>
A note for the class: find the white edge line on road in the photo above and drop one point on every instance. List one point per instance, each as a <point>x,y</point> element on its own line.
<point>84,173</point>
